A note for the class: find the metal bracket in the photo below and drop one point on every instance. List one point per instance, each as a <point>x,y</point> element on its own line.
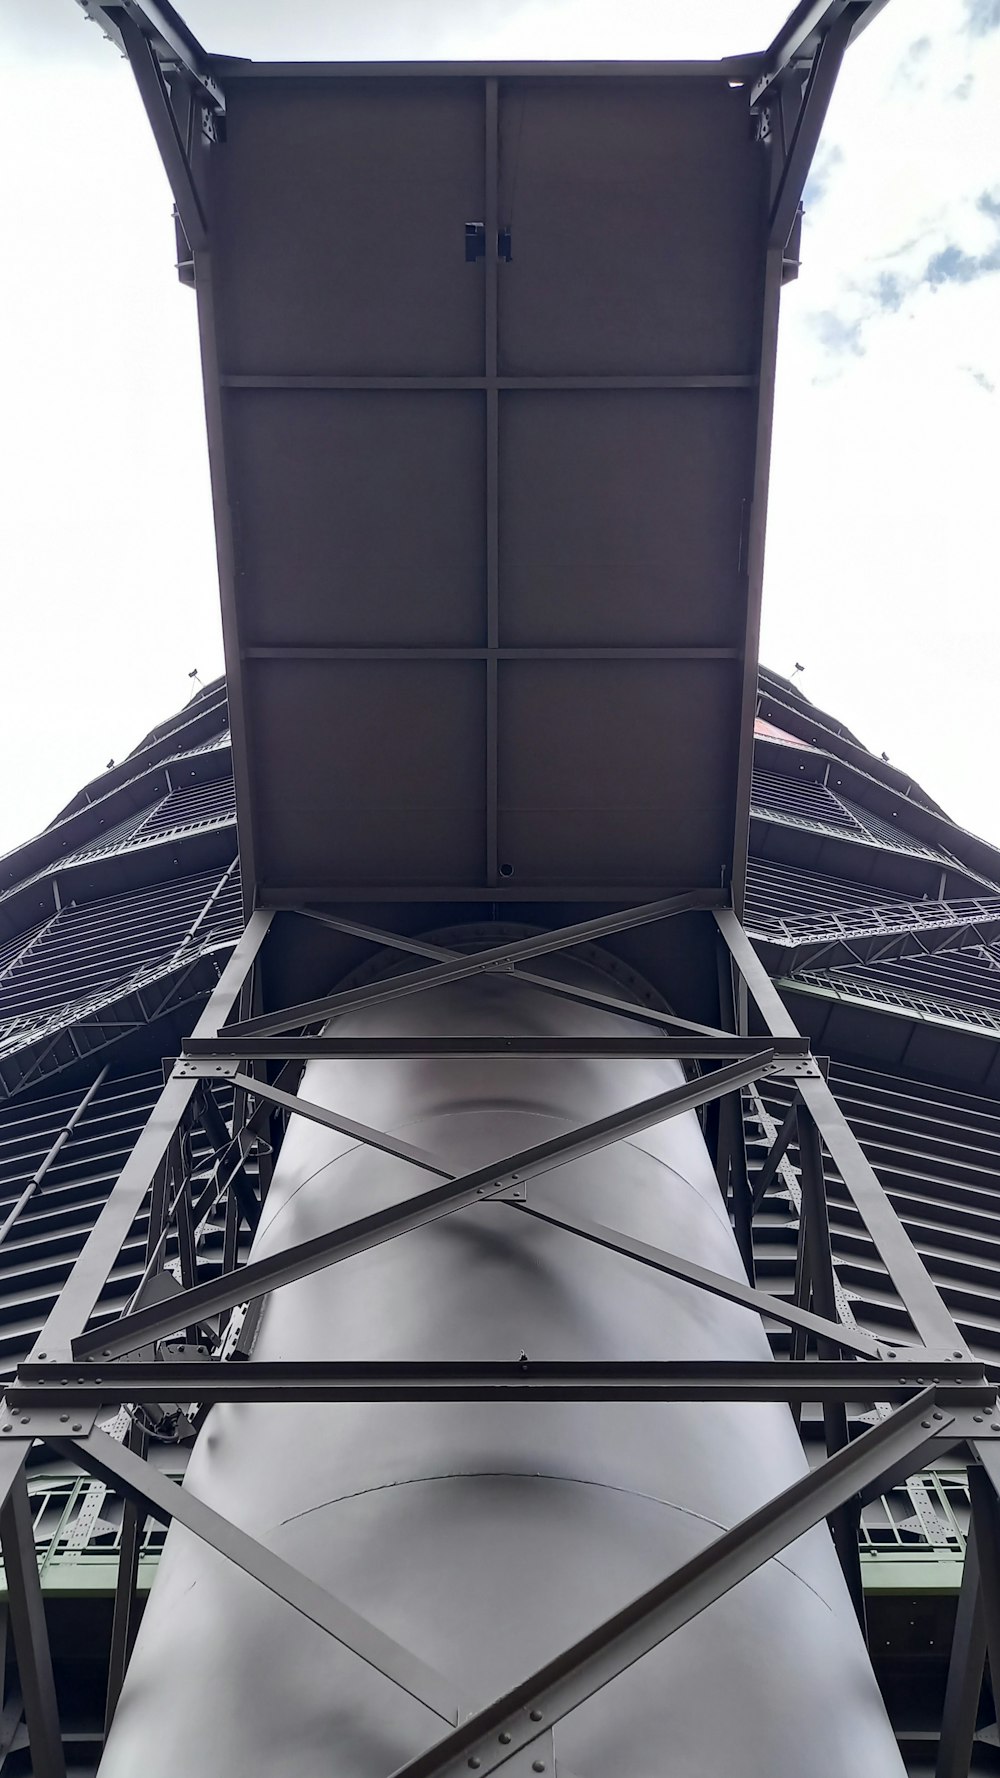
<point>790,1068</point>
<point>28,1423</point>
<point>194,1068</point>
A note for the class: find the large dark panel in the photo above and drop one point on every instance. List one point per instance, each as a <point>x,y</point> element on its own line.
<point>374,771</point>
<point>634,210</point>
<point>622,517</point>
<point>360,517</point>
<point>597,756</point>
<point>340,216</point>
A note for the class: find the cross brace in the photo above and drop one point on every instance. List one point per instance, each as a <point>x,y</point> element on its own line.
<point>266,1274</point>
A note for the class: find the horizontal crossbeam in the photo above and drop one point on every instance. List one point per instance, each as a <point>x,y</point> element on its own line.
<point>512,1722</point>
<point>165,1501</point>
<point>498,957</point>
<point>767,1379</point>
<point>260,1276</point>
<point>659,1049</point>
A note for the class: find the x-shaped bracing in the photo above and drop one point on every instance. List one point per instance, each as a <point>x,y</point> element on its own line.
<point>498,1732</point>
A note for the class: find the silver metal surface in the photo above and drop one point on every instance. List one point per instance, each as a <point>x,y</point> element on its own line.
<point>489,1537</point>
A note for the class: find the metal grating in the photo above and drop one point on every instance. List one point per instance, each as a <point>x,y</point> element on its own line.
<point>189,810</point>
<point>937,1154</point>
<point>801,800</point>
<point>780,896</point>
<point>40,1248</point>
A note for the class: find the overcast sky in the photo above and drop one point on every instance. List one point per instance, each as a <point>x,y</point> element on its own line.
<point>882,567</point>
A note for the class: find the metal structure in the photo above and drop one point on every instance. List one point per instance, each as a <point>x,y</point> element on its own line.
<point>475,722</point>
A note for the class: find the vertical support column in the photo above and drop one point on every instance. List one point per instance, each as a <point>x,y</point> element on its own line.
<point>731,1150</point>
<point>965,1673</point>
<point>125,1619</point>
<point>31,1640</point>
<point>491,273</point>
<point>986,1526</point>
<point>816,1217</point>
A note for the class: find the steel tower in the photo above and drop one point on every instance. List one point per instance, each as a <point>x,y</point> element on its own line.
<point>519,1483</point>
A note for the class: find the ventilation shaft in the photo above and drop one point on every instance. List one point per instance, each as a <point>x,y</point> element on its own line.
<point>487,1536</point>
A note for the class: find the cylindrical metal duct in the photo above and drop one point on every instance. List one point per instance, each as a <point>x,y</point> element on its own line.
<point>486,1537</point>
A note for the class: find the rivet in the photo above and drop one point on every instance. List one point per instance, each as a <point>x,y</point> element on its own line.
<point>43,1355</point>
<point>8,1427</point>
<point>925,1422</point>
<point>77,1426</point>
<point>536,1715</point>
<point>504,1736</point>
<point>473,1761</point>
<point>978,1419</point>
<point>64,1416</point>
<point>25,1418</point>
<point>995,1427</point>
<point>938,1414</point>
<point>956,1355</point>
<point>538,1765</point>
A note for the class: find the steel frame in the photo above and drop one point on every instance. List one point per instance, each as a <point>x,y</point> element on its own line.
<point>941,1396</point>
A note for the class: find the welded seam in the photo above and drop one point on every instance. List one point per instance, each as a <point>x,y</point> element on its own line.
<point>540,1475</point>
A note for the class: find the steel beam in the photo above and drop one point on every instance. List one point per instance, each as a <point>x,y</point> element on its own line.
<point>31,1640</point>
<point>768,1379</point>
<point>344,1126</point>
<point>377,1049</point>
<point>965,1673</point>
<point>417,947</point>
<point>844,1522</point>
<point>53,1154</point>
<point>79,1295</point>
<point>163,1500</point>
<point>497,957</point>
<point>263,1275</point>
<point>512,1722</point>
<point>850,1339</point>
<point>166,134</point>
<point>808,127</point>
<point>986,1525</point>
<point>774,1157</point>
<point>166,27</point>
<point>920,1296</point>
